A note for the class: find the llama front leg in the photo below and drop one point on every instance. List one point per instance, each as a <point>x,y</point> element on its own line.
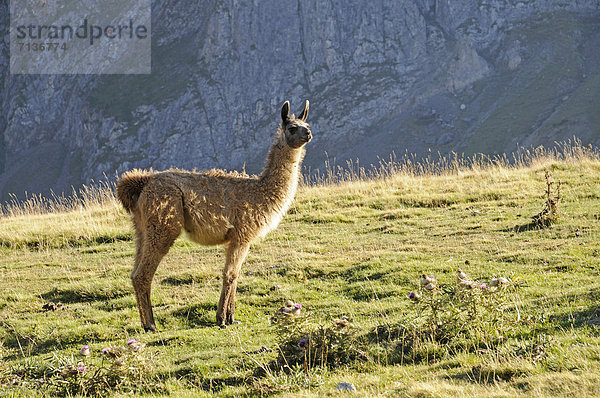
<point>235,254</point>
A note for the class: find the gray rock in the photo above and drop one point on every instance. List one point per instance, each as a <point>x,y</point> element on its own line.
<point>221,70</point>
<point>346,387</point>
<point>445,139</point>
<point>466,66</point>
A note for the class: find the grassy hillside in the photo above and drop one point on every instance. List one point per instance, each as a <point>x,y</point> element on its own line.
<point>353,249</point>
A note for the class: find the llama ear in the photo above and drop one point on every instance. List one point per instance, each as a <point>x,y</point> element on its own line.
<point>285,112</point>
<point>304,113</point>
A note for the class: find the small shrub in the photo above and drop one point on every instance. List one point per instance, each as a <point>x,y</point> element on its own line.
<point>550,213</point>
<point>124,370</point>
<point>465,315</point>
<point>306,343</point>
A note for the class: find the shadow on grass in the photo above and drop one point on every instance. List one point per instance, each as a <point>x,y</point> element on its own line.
<point>30,345</point>
<point>71,296</point>
<point>432,203</point>
<point>530,226</point>
<point>489,375</point>
<point>374,291</point>
<point>80,241</point>
<point>589,316</point>
<point>186,279</point>
<point>197,315</point>
<point>205,383</point>
<point>564,317</point>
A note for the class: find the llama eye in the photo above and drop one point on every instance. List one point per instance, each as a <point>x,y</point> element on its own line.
<point>293,130</point>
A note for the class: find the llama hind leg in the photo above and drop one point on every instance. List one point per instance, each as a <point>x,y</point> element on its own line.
<point>161,227</point>
<point>234,257</point>
<point>141,277</point>
<point>143,299</point>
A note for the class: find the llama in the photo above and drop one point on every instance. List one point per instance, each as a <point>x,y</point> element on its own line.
<point>214,208</point>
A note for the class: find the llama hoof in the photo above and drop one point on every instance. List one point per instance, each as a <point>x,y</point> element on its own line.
<point>151,328</point>
<point>224,325</point>
<point>230,320</point>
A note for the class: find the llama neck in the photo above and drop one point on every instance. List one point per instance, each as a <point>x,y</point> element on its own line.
<point>280,176</point>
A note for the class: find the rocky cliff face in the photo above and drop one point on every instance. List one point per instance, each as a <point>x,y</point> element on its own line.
<point>382,76</point>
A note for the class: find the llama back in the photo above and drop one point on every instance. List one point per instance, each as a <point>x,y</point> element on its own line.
<point>130,187</point>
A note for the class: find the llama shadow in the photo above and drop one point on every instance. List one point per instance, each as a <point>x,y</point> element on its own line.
<point>197,315</point>
<point>72,296</point>
<point>184,279</point>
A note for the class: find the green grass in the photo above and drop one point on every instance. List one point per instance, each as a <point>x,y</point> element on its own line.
<point>353,248</point>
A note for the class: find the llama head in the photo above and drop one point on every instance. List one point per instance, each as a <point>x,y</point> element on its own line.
<point>295,129</point>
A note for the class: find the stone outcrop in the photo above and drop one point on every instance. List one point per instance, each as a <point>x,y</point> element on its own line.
<point>222,69</point>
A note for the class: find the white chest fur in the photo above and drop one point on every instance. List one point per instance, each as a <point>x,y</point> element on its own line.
<point>277,216</point>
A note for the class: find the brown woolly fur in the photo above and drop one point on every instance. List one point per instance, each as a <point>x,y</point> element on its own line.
<point>214,207</point>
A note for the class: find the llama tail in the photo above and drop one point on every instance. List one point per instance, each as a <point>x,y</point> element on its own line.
<point>130,187</point>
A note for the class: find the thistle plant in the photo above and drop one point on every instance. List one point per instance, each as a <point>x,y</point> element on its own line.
<point>550,213</point>
<point>305,341</point>
<point>454,315</point>
<point>95,373</point>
